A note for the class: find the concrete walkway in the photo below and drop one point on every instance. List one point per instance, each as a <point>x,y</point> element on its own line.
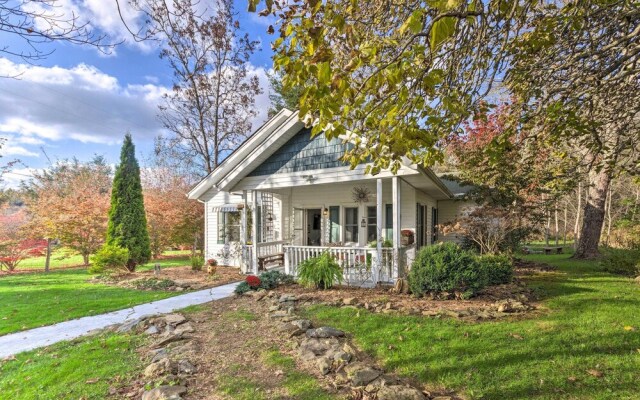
<point>15,343</point>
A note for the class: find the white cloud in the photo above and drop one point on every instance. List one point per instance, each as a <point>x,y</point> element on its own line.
<point>101,16</point>
<point>11,150</point>
<point>80,103</point>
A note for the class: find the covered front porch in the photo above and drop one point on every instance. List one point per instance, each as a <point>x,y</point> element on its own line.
<point>372,227</point>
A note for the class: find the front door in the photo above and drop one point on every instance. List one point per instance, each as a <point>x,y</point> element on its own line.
<point>314,227</point>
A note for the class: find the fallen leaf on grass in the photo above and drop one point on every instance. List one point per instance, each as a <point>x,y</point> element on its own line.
<point>595,373</point>
<point>572,379</point>
<point>629,328</point>
<point>516,336</point>
<point>92,380</point>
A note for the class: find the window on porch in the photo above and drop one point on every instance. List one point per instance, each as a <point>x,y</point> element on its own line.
<point>228,227</point>
<point>334,224</point>
<point>351,224</point>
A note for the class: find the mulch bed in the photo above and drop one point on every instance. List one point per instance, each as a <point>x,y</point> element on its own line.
<point>173,279</point>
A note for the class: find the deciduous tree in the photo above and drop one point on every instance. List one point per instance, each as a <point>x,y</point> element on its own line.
<point>127,227</point>
<point>34,23</point>
<point>70,201</point>
<point>210,108</point>
<point>15,242</point>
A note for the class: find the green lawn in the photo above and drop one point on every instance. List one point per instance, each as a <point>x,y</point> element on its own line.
<point>63,257</point>
<point>80,369</point>
<point>32,300</point>
<point>592,323</point>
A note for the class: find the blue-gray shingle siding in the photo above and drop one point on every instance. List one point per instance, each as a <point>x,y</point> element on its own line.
<point>303,153</point>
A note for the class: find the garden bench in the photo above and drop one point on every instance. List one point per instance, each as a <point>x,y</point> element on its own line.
<point>550,250</point>
<point>271,258</point>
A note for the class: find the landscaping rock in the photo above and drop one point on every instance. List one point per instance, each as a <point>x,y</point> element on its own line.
<point>342,357</point>
<point>398,392</point>
<point>287,298</point>
<point>303,324</point>
<point>324,332</point>
<point>349,301</point>
<point>638,279</point>
<point>278,314</point>
<point>158,354</point>
<point>166,339</point>
<point>185,350</point>
<point>128,326</point>
<point>161,367</point>
<point>152,330</point>
<point>361,374</point>
<point>274,308</point>
<point>165,393</point>
<point>511,306</point>
<point>174,319</point>
<point>324,364</point>
<point>185,367</point>
<point>184,328</point>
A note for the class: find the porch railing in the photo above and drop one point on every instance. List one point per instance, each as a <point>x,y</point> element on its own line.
<point>360,264</point>
<point>264,249</point>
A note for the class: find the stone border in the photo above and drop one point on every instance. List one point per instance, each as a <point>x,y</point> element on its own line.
<point>332,354</point>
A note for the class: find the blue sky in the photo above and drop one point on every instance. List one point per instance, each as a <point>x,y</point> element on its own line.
<point>78,102</point>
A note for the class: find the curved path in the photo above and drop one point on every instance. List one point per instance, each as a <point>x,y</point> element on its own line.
<point>18,342</point>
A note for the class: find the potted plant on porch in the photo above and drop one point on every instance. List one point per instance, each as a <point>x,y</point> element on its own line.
<point>406,237</point>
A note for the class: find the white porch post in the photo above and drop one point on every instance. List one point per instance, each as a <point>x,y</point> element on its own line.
<point>244,232</point>
<point>378,263</point>
<point>254,230</point>
<point>395,186</point>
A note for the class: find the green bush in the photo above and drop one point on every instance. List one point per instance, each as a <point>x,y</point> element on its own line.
<point>242,288</point>
<point>196,263</point>
<point>272,279</point>
<point>446,268</point>
<point>319,272</point>
<point>497,269</point>
<point>109,259</point>
<point>621,262</point>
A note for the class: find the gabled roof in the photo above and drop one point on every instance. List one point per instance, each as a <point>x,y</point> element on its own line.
<point>241,153</point>
<point>265,142</point>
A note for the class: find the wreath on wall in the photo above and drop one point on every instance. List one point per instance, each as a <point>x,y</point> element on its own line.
<point>361,194</point>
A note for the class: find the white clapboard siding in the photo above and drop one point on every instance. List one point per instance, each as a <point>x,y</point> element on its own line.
<point>212,199</point>
<point>448,211</point>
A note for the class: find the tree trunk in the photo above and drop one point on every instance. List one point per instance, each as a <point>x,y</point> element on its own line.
<point>47,261</point>
<point>576,226</point>
<point>85,258</point>
<point>564,230</point>
<point>594,213</point>
<point>555,212</point>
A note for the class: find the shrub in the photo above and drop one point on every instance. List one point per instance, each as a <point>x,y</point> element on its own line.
<point>497,269</point>
<point>242,288</point>
<point>253,281</point>
<point>196,263</point>
<point>621,262</point>
<point>109,259</point>
<point>273,279</point>
<point>320,272</point>
<point>446,268</point>
<point>212,262</point>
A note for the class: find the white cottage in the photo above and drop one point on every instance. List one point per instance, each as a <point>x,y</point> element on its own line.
<point>284,196</point>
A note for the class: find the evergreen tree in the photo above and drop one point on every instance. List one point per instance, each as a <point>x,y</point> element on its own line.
<point>127,221</point>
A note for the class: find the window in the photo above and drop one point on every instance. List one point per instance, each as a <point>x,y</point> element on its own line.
<point>351,224</point>
<point>372,231</point>
<point>334,224</point>
<point>420,216</point>
<point>388,232</point>
<point>228,227</point>
<point>434,225</point>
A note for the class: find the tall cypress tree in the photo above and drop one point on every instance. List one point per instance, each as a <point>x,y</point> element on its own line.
<point>127,221</point>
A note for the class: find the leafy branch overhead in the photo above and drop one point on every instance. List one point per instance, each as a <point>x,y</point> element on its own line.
<point>400,76</point>
<point>403,75</point>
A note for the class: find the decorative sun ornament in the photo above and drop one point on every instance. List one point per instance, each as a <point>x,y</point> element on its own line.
<point>361,194</point>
